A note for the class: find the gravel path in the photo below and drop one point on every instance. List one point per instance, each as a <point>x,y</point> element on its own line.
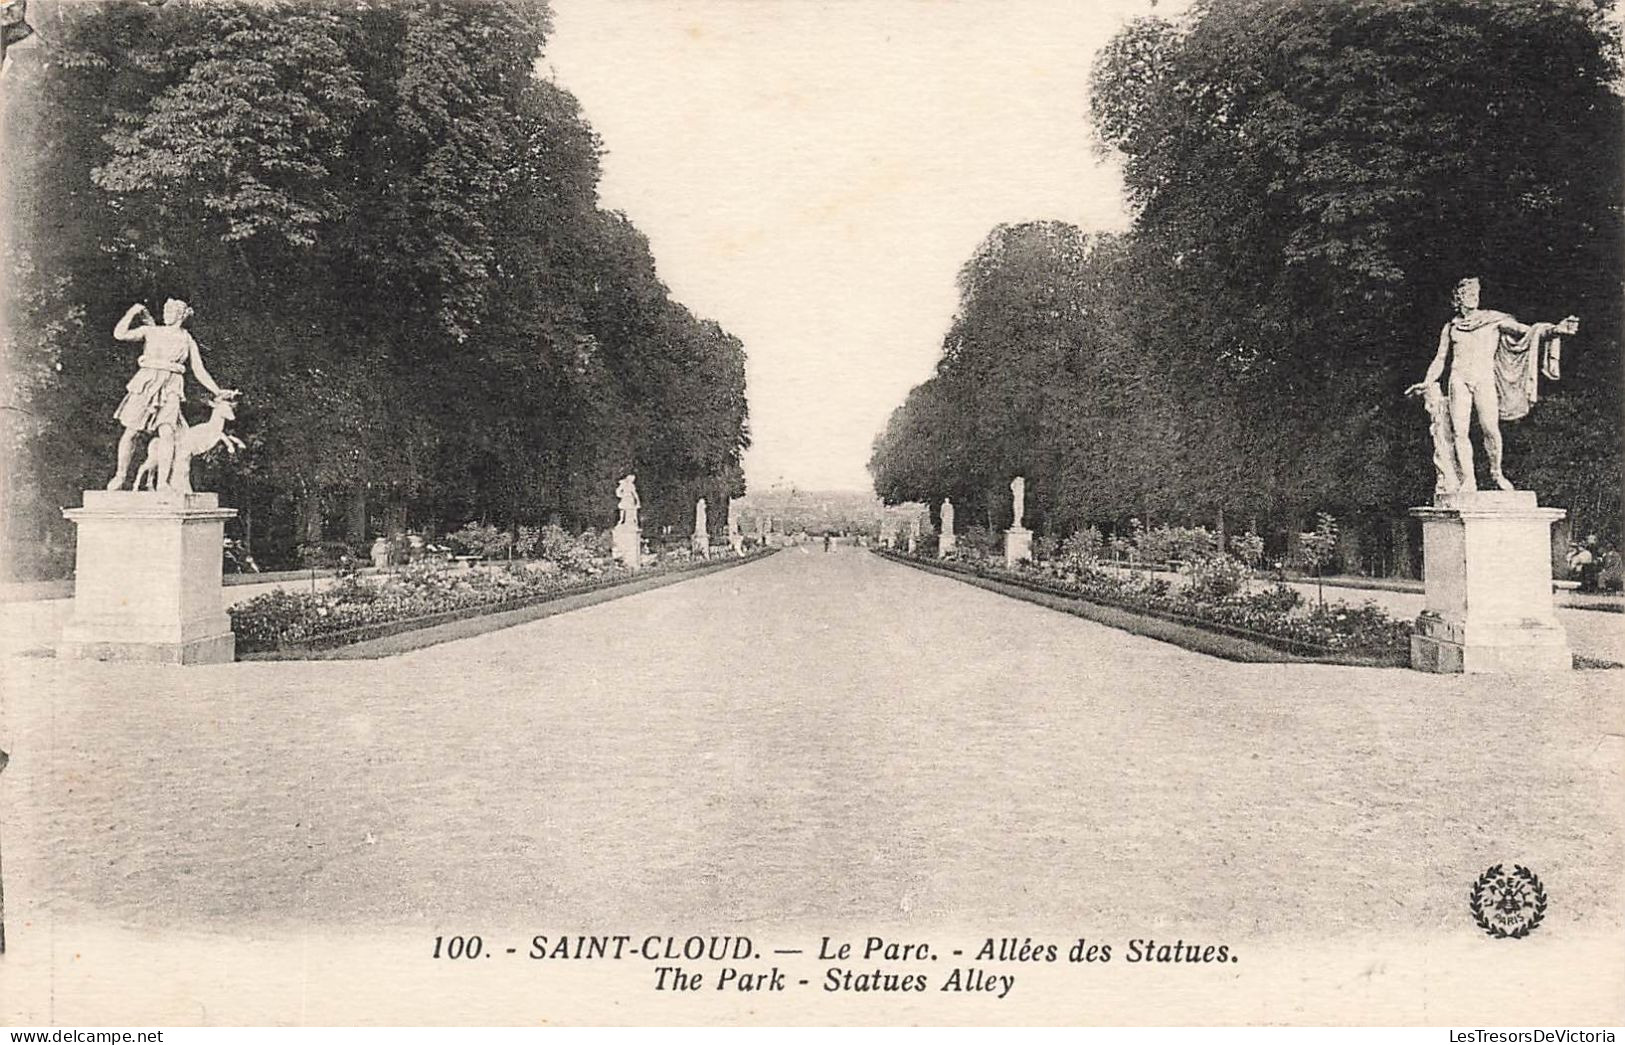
<point>815,738</point>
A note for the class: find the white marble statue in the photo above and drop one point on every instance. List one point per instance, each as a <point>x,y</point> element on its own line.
<point>1495,367</point>
<point>192,442</point>
<point>947,516</point>
<point>733,516</point>
<point>152,398</point>
<point>627,503</point>
<point>1446,472</point>
<point>1018,494</point>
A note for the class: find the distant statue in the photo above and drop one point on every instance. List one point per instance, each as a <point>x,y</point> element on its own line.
<point>152,398</point>
<point>1018,493</point>
<point>914,527</point>
<point>627,503</point>
<point>1495,368</point>
<point>947,516</point>
<point>700,527</point>
<point>733,516</point>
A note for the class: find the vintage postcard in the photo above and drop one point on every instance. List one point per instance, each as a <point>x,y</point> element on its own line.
<point>811,512</point>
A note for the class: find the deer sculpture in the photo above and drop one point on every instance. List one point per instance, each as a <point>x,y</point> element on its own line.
<point>192,442</point>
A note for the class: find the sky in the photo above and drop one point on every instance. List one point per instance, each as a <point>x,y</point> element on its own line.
<point>812,175</point>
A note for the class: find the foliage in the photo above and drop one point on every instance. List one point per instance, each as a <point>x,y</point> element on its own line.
<point>1249,548</point>
<point>1365,630</point>
<point>978,542</point>
<point>1316,547</point>
<point>1216,577</point>
<point>485,542</point>
<point>389,227</point>
<point>1278,599</point>
<point>1308,181</point>
<point>1171,543</point>
<point>1081,551</point>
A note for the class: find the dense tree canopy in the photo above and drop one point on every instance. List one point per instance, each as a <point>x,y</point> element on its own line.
<point>389,227</point>
<point>1309,180</point>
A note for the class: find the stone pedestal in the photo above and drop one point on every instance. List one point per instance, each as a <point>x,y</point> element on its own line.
<point>737,543</point>
<point>1488,575</point>
<point>627,545</point>
<point>147,579</point>
<point>700,544</point>
<point>946,542</point>
<point>1018,545</point>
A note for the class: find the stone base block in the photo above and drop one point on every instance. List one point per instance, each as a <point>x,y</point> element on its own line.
<point>147,579</point>
<point>1509,649</point>
<point>700,544</point>
<point>1487,571</point>
<point>211,649</point>
<point>946,543</point>
<point>627,545</point>
<point>1018,546</point>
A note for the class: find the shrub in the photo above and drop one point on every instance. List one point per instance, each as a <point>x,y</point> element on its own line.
<point>554,543</point>
<point>1316,548</point>
<point>978,542</point>
<point>1081,550</point>
<point>1214,577</point>
<point>322,555</point>
<point>600,544</point>
<point>1279,599</point>
<point>1366,629</point>
<point>486,542</point>
<point>1171,543</point>
<point>1249,548</point>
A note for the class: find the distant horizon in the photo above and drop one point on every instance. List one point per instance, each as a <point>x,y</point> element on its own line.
<point>813,177</point>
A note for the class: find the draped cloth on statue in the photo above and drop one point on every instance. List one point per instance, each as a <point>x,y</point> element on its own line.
<point>1520,360</point>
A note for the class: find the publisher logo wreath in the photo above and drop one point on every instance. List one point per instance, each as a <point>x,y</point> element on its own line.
<point>1508,906</point>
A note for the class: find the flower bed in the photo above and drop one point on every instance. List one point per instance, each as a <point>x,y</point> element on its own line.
<point>420,596</point>
<point>1338,631</point>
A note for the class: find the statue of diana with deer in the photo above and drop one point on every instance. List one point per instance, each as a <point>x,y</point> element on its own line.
<point>153,397</point>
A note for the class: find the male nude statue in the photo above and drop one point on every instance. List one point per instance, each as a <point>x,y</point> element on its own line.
<point>1492,374</point>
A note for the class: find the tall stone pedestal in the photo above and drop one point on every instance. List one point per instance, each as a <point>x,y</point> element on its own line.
<point>946,542</point>
<point>627,545</point>
<point>1488,572</point>
<point>147,579</point>
<point>1018,545</point>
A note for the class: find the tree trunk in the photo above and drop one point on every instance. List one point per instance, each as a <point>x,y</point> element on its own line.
<point>310,510</point>
<point>1404,564</point>
<point>1294,526</point>
<point>357,515</point>
<point>1348,548</point>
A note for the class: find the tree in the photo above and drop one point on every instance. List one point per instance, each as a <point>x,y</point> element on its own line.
<point>390,228</point>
